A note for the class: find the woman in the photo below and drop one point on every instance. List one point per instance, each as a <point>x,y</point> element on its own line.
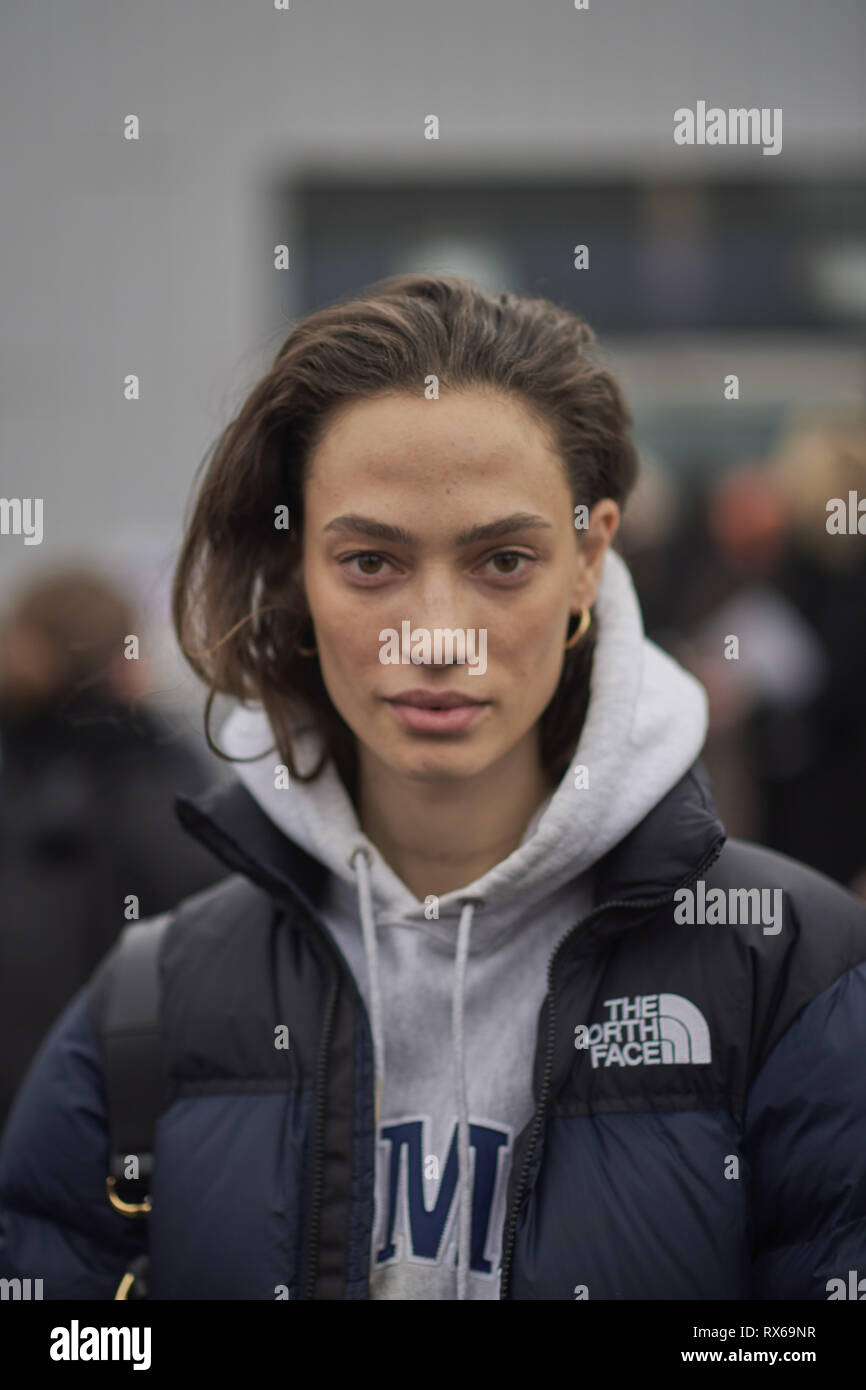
<point>489,1008</point>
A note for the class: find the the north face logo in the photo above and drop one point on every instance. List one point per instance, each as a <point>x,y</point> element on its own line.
<point>646,1030</point>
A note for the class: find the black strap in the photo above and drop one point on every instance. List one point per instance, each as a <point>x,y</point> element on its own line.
<point>132,1052</point>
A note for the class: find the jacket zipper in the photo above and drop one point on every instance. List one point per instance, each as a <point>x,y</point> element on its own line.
<point>309,921</point>
<point>538,1121</point>
<point>318,1160</point>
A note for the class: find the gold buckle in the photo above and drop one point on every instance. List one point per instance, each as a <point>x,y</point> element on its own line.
<point>126,1208</point>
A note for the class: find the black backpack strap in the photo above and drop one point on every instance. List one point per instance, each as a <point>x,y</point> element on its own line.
<point>132,1052</point>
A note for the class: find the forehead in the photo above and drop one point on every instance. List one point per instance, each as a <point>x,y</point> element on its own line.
<point>462,441</point>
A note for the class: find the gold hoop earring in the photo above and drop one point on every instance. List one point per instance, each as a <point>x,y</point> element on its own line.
<point>585,620</point>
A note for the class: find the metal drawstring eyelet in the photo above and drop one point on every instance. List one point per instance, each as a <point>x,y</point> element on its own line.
<point>359,849</point>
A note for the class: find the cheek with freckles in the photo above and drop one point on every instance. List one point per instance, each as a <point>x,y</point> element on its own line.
<point>346,636</point>
<point>529,651</point>
<point>348,655</point>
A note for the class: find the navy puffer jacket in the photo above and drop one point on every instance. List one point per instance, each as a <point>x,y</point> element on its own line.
<point>722,1157</point>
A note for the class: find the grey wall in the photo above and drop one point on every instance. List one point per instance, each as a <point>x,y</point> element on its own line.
<point>146,257</point>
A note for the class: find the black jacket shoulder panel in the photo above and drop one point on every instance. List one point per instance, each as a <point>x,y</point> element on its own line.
<point>681,832</point>
<point>678,1005</point>
<point>821,934</point>
<point>241,984</point>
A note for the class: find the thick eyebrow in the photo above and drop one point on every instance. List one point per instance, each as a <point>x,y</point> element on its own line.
<point>490,531</point>
<point>493,530</point>
<point>366,526</point>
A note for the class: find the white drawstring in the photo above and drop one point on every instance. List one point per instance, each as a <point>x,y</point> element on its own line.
<point>360,860</point>
<point>464,1228</point>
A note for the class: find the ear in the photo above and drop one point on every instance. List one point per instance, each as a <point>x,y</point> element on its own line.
<point>592,547</point>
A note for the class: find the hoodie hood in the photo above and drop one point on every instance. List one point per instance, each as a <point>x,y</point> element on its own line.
<point>644,728</point>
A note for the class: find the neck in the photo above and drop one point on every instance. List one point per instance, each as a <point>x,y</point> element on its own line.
<point>441,836</point>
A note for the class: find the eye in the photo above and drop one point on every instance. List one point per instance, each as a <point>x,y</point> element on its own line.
<point>508,562</point>
<point>369,563</point>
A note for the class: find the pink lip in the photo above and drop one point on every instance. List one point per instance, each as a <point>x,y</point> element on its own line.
<point>447,712</point>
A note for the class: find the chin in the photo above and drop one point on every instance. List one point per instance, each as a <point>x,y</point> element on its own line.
<point>437,763</point>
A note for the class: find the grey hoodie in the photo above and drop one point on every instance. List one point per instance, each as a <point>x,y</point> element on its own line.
<point>454,999</point>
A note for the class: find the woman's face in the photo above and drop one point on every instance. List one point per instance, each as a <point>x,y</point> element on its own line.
<point>439,530</point>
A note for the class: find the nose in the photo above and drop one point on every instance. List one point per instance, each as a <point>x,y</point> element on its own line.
<point>436,600</point>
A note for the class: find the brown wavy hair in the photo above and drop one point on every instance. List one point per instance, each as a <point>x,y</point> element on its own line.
<point>238,602</point>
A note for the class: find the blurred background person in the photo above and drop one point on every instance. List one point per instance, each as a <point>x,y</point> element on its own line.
<point>812,759</point>
<point>87,779</point>
<point>757,656</point>
<point>787,742</point>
